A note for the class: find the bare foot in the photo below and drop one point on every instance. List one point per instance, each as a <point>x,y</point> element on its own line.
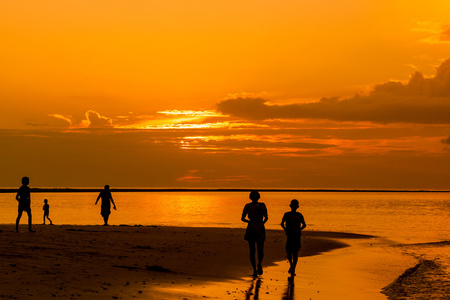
<point>260,270</point>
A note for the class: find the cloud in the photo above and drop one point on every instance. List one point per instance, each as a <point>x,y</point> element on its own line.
<point>445,34</point>
<point>209,176</point>
<point>438,33</point>
<point>68,119</point>
<point>92,120</point>
<point>421,100</point>
<point>95,120</point>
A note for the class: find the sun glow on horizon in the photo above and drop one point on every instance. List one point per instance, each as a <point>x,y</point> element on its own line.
<point>191,113</point>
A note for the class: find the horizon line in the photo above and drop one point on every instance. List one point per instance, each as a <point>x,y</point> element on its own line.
<point>120,190</point>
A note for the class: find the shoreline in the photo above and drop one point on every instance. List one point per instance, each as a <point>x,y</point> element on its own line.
<point>162,262</point>
<point>122,262</point>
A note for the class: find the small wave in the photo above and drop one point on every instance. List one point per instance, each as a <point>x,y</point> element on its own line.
<point>426,280</point>
<point>438,244</point>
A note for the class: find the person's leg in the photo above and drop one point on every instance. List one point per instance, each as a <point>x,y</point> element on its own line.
<point>252,249</point>
<point>29,220</point>
<point>294,262</point>
<point>260,246</point>
<point>44,218</point>
<point>289,257</point>
<point>105,218</point>
<point>19,215</point>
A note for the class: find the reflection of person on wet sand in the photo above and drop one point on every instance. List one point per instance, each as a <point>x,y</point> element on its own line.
<point>249,292</point>
<point>24,199</point>
<point>255,233</point>
<point>46,209</point>
<point>293,223</point>
<point>289,293</point>
<point>106,197</point>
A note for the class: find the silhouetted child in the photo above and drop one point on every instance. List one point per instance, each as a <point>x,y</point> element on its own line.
<point>293,223</point>
<point>106,197</point>
<point>46,209</point>
<point>24,199</point>
<point>256,232</point>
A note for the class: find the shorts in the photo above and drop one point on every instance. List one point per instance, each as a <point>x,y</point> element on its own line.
<point>293,243</point>
<point>106,211</point>
<point>26,208</point>
<point>255,232</point>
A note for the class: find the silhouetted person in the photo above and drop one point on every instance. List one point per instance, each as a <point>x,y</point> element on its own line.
<point>293,223</point>
<point>106,197</point>
<point>255,233</point>
<point>24,198</point>
<point>46,209</point>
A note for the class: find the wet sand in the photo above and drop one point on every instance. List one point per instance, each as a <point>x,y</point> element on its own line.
<point>429,278</point>
<point>152,262</point>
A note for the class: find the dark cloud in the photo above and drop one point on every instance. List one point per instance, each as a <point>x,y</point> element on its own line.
<point>421,100</point>
<point>34,124</point>
<point>446,141</point>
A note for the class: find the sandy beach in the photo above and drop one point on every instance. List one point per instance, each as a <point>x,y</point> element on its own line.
<point>153,262</point>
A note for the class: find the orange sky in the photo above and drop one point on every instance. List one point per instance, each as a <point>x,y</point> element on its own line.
<point>303,94</point>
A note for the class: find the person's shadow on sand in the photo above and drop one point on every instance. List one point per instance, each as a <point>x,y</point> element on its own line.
<point>289,293</point>
<point>254,284</point>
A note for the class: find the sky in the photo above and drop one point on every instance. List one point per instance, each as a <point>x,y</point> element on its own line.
<point>225,94</point>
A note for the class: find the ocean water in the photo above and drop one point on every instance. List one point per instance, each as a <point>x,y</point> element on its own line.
<point>404,217</point>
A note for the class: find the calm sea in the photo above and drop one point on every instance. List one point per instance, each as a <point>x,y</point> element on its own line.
<point>400,216</point>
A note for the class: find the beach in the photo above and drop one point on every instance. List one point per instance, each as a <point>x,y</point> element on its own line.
<point>156,262</point>
<point>373,246</point>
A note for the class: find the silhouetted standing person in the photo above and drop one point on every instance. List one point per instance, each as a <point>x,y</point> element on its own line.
<point>46,209</point>
<point>293,223</point>
<point>107,199</point>
<point>256,232</point>
<point>24,199</point>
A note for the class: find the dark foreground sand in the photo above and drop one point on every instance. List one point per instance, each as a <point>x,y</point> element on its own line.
<point>129,262</point>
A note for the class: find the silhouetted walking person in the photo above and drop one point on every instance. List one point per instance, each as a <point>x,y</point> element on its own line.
<point>106,197</point>
<point>24,199</point>
<point>46,209</point>
<point>256,232</point>
<point>293,223</point>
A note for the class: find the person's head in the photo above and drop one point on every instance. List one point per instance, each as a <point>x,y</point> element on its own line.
<point>106,187</point>
<point>254,196</point>
<point>45,201</point>
<point>25,180</point>
<point>294,204</point>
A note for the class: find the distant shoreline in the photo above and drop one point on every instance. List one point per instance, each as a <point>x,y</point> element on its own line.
<point>119,190</point>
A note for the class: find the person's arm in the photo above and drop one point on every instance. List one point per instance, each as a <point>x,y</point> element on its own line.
<point>18,195</point>
<point>244,214</point>
<point>110,197</point>
<point>302,223</point>
<point>99,195</point>
<point>283,222</point>
<point>265,217</point>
